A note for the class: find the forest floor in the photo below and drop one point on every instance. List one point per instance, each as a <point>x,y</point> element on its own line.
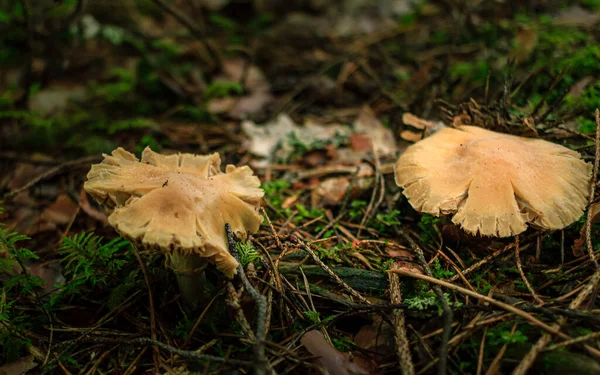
<point>317,99</point>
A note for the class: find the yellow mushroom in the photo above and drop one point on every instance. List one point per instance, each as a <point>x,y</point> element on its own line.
<point>494,183</point>
<point>178,204</point>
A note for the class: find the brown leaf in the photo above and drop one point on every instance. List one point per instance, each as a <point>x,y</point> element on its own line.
<point>417,122</point>
<point>526,40</point>
<point>576,16</point>
<point>336,362</point>
<point>411,136</point>
<point>361,142</point>
<point>377,338</point>
<point>333,189</point>
<point>579,87</point>
<point>84,203</point>
<point>18,367</point>
<point>381,136</point>
<point>60,212</point>
<point>51,273</point>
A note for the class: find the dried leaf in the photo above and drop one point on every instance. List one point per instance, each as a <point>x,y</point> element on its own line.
<point>84,203</point>
<point>526,40</point>
<point>381,136</point>
<point>417,122</point>
<point>334,361</point>
<point>576,16</point>
<point>377,338</point>
<point>277,135</point>
<point>410,136</point>
<point>51,273</point>
<point>255,84</point>
<point>361,142</point>
<point>333,189</point>
<point>18,367</point>
<point>60,212</point>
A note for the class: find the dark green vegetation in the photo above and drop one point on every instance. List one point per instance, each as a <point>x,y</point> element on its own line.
<point>78,78</point>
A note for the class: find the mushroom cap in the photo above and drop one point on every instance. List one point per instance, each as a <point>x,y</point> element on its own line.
<point>178,203</point>
<point>494,183</point>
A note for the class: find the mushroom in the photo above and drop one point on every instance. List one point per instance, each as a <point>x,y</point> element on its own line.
<point>494,183</point>
<point>179,204</point>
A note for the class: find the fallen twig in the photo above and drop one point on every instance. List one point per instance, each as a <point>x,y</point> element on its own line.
<point>341,282</point>
<point>448,316</point>
<point>402,347</point>
<point>589,218</point>
<point>191,355</point>
<point>50,173</point>
<point>491,301</point>
<point>261,362</point>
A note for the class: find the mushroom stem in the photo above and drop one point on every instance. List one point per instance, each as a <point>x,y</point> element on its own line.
<point>189,270</point>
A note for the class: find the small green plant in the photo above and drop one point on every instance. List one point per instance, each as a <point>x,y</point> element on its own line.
<point>86,256</point>
<point>312,316</point>
<point>439,272</point>
<point>343,343</point>
<point>17,257</point>
<point>427,300</point>
<point>223,89</point>
<point>248,253</point>
<point>18,287</point>
<point>357,209</point>
<point>427,226</point>
<point>501,335</point>
<point>385,221</point>
<point>274,191</point>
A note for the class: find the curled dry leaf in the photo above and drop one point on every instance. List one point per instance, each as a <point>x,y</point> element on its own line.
<point>429,127</point>
<point>18,367</point>
<point>60,212</point>
<point>576,16</point>
<point>84,203</point>
<point>255,83</point>
<point>377,338</point>
<point>525,42</point>
<point>273,138</point>
<point>336,362</point>
<point>381,136</point>
<point>417,122</point>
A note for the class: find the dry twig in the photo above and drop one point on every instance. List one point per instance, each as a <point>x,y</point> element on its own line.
<point>261,362</point>
<point>337,279</point>
<point>402,346</point>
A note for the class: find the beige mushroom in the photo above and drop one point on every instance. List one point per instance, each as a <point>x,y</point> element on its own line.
<point>494,183</point>
<point>179,204</point>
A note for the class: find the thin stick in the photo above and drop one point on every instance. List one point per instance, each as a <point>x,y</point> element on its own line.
<point>481,262</point>
<point>260,363</point>
<point>520,268</point>
<point>481,351</point>
<point>155,353</point>
<point>493,366</point>
<point>489,300</point>
<point>184,20</point>
<point>448,315</point>
<point>200,317</point>
<point>588,221</point>
<point>192,355</point>
<point>50,173</point>
<point>402,347</point>
<point>341,282</point>
<point>576,340</point>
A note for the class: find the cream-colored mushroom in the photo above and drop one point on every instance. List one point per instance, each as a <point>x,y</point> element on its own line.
<point>494,183</point>
<point>178,204</point>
